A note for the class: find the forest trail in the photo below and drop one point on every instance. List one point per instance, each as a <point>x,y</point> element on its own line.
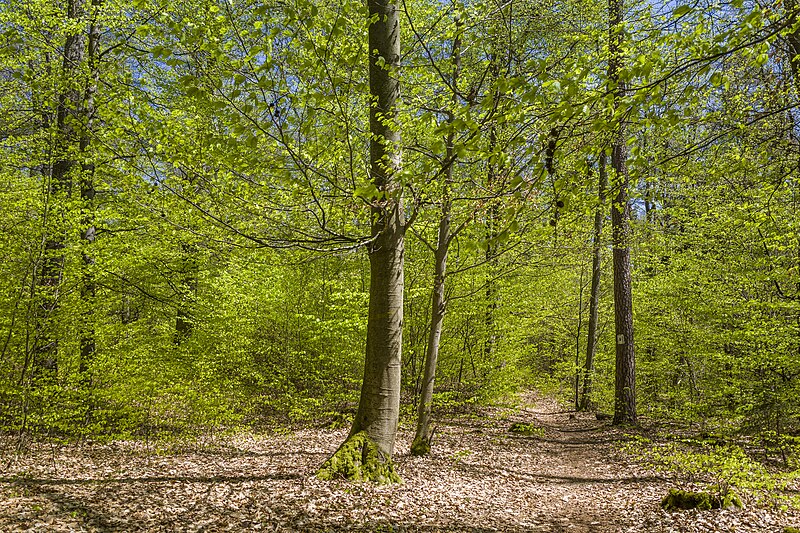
<point>568,475</point>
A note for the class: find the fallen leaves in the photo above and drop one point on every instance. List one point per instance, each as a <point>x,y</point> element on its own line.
<point>566,476</point>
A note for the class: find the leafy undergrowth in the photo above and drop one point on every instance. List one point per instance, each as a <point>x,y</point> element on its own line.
<point>720,466</point>
<point>562,474</point>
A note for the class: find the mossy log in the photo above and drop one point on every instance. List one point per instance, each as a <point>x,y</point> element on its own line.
<point>678,499</point>
<point>359,459</point>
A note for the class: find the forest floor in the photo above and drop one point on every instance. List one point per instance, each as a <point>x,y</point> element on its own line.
<point>569,475</point>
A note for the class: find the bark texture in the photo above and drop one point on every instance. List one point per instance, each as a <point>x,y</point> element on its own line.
<point>625,368</point>
<point>423,435</point>
<point>379,405</point>
<point>492,220</point>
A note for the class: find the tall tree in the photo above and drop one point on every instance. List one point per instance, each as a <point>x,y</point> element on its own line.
<point>594,295</point>
<point>793,39</point>
<point>625,368</point>
<point>88,192</point>
<point>367,451</point>
<point>68,119</point>
<point>424,434</point>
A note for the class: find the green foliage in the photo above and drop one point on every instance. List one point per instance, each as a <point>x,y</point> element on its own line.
<point>228,158</point>
<point>528,430</point>
<point>720,467</point>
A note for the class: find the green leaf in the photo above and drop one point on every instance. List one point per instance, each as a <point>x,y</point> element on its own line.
<point>681,11</point>
<point>367,192</point>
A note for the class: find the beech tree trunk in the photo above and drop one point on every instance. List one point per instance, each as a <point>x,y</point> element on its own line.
<point>375,426</point>
<point>492,220</point>
<point>45,361</point>
<point>594,295</point>
<point>625,368</point>
<point>422,438</point>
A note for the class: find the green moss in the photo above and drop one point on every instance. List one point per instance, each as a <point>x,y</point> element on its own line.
<point>678,499</point>
<point>791,529</point>
<point>420,447</point>
<point>730,499</point>
<point>358,459</point>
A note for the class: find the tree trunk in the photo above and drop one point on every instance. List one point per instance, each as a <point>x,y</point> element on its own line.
<point>88,192</point>
<point>793,39</point>
<point>422,438</point>
<point>367,452</point>
<point>424,433</point>
<point>45,361</point>
<point>625,368</point>
<point>184,319</point>
<point>594,296</point>
<point>492,220</point>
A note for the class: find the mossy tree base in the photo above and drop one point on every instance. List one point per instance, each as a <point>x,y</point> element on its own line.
<point>358,459</point>
<point>678,499</point>
<point>420,447</point>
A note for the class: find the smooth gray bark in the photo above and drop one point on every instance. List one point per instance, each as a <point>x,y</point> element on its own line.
<point>423,435</point>
<point>379,404</point>
<point>492,221</point>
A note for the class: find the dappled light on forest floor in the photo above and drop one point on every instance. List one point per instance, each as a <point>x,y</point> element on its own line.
<point>567,475</point>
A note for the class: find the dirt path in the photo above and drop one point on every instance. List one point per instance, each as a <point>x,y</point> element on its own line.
<point>566,476</point>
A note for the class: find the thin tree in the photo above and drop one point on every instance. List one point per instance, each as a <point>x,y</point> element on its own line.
<point>58,189</point>
<point>594,294</point>
<point>424,433</point>
<point>88,192</point>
